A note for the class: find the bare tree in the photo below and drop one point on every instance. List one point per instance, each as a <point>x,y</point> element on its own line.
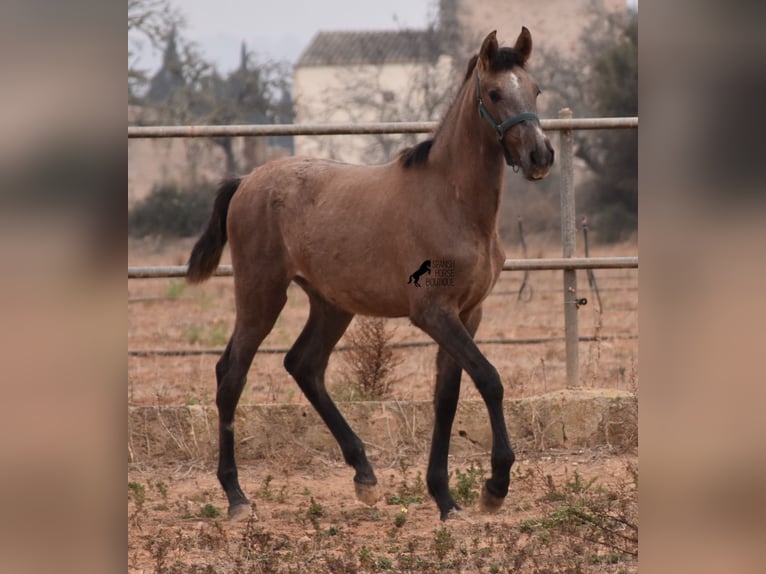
<point>149,21</point>
<point>602,80</point>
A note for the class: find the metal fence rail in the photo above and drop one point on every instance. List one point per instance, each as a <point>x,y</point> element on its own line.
<point>167,271</point>
<point>399,345</point>
<point>205,131</point>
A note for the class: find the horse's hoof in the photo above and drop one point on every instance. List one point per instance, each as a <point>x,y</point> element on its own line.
<point>488,502</point>
<point>239,511</point>
<point>367,493</point>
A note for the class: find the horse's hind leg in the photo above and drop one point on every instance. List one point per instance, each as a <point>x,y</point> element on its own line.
<point>446,395</point>
<point>306,362</point>
<point>256,313</point>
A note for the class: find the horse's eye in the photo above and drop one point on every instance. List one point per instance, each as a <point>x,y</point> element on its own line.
<point>539,91</point>
<point>494,95</point>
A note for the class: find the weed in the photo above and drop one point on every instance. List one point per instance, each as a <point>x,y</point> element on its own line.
<point>443,542</point>
<point>215,336</point>
<point>365,558</point>
<point>138,491</point>
<point>315,509</point>
<point>408,494</point>
<point>383,563</point>
<point>209,511</point>
<point>401,518</point>
<point>159,548</point>
<point>467,488</point>
<point>370,359</point>
<point>265,490</point>
<point>582,510</point>
<point>193,333</point>
<point>175,289</point>
<point>162,488</point>
<point>218,335</point>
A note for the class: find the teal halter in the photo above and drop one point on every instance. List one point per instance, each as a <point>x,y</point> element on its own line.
<point>500,129</point>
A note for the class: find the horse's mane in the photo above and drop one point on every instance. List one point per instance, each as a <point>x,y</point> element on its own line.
<point>505,59</point>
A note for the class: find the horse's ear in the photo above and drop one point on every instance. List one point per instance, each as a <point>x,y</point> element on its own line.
<point>524,44</point>
<point>488,50</point>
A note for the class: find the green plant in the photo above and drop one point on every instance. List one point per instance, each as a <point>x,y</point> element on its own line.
<point>466,490</point>
<point>315,509</point>
<point>209,511</point>
<point>175,289</point>
<point>584,510</point>
<point>218,335</point>
<point>401,518</point>
<point>162,488</point>
<point>159,548</point>
<point>365,557</point>
<point>408,494</point>
<point>215,335</point>
<point>193,333</point>
<point>138,492</point>
<point>265,490</point>
<point>443,542</point>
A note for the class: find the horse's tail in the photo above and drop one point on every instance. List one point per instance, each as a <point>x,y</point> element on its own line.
<point>206,253</point>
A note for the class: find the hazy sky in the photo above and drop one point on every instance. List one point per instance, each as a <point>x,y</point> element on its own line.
<point>281,29</point>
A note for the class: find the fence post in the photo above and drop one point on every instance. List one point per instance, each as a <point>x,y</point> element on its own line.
<point>568,247</point>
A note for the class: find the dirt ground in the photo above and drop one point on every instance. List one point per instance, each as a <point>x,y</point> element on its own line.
<point>307,520</point>
<point>567,511</point>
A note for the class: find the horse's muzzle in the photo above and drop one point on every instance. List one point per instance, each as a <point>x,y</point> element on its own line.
<point>541,160</point>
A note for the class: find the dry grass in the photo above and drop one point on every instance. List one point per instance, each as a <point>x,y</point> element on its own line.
<point>370,362</point>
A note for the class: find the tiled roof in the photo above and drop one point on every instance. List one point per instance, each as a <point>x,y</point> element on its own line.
<point>370,47</point>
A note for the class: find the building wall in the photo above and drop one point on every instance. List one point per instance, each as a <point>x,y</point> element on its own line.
<point>373,93</point>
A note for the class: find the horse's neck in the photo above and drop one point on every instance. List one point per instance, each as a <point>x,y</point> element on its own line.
<point>472,160</point>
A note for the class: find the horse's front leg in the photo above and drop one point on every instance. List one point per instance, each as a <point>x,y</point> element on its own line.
<point>445,327</point>
<point>448,374</point>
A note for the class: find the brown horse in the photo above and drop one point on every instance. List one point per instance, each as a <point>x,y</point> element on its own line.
<point>350,236</point>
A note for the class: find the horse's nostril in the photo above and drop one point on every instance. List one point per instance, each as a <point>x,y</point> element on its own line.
<point>533,156</point>
<point>548,145</point>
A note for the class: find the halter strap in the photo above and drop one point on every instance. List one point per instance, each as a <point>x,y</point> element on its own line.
<point>500,129</point>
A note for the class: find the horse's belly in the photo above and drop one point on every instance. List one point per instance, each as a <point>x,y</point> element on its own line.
<point>368,299</point>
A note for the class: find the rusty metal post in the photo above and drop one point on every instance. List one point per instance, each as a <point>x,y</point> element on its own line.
<point>568,247</point>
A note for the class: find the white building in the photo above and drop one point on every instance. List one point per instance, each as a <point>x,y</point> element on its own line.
<point>368,77</point>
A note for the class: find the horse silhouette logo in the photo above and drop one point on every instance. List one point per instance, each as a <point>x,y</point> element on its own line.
<point>424,268</point>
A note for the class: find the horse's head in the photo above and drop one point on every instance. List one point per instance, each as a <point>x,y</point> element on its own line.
<point>507,99</point>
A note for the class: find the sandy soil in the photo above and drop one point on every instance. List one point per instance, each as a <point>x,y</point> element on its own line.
<point>307,520</point>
